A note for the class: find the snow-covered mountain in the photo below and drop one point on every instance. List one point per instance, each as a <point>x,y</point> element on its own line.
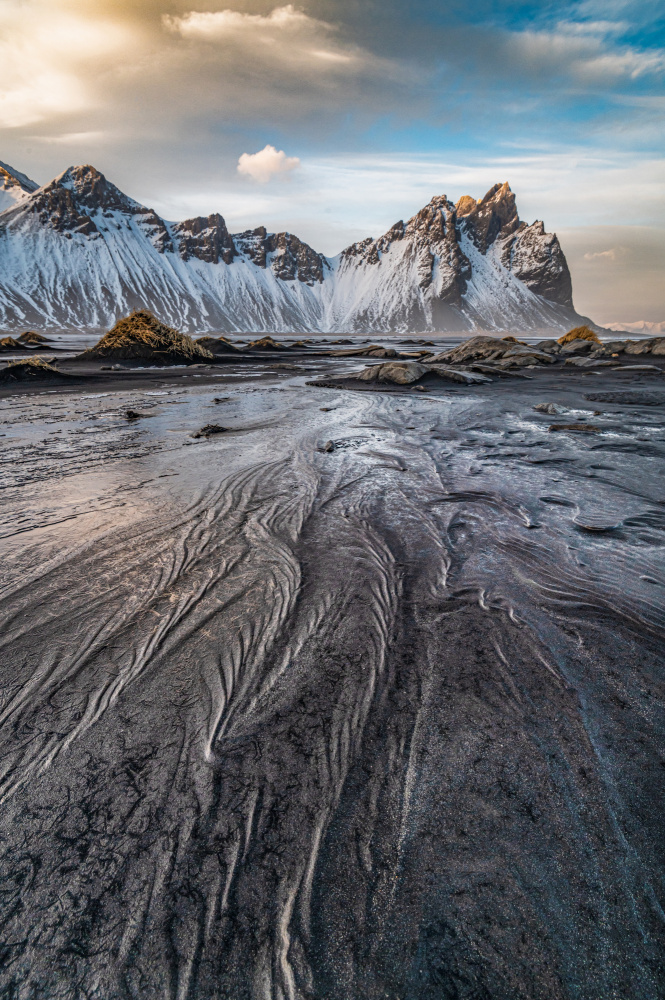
<point>77,253</point>
<point>648,327</point>
<point>14,186</point>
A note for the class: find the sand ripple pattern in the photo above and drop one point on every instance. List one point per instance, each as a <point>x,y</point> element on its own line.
<point>381,722</point>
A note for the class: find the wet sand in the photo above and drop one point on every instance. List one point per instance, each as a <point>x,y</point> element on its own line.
<point>381,721</point>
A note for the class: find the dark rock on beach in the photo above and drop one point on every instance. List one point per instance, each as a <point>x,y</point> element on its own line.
<point>209,430</point>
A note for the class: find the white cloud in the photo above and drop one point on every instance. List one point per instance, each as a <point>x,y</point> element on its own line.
<point>584,57</point>
<point>612,254</point>
<point>285,36</point>
<point>216,25</point>
<point>266,164</point>
<point>593,27</point>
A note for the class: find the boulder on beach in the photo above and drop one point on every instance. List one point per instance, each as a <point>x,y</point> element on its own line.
<point>399,373</point>
<point>652,345</point>
<point>579,333</point>
<point>579,347</point>
<point>484,348</point>
<point>408,372</point>
<point>371,351</point>
<point>455,375</point>
<point>141,337</point>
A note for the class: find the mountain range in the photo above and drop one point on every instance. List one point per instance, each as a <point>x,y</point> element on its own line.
<point>77,253</point>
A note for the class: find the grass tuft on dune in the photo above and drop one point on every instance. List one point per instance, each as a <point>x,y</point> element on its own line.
<point>579,333</point>
<point>141,336</point>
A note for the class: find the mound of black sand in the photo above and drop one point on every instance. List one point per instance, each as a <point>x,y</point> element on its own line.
<point>266,344</point>
<point>9,345</point>
<point>29,371</point>
<point>31,338</point>
<point>141,337</point>
<point>217,345</point>
<point>636,397</point>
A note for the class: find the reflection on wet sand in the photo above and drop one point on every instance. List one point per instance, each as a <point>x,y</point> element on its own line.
<point>383,720</point>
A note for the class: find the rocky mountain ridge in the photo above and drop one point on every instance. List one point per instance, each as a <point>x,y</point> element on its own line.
<point>78,252</point>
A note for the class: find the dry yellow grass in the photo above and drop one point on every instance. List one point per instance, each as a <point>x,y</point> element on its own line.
<point>27,368</point>
<point>30,337</point>
<point>578,333</point>
<point>141,336</point>
<point>9,344</point>
<point>266,344</point>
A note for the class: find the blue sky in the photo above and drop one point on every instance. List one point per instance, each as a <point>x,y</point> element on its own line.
<point>376,106</point>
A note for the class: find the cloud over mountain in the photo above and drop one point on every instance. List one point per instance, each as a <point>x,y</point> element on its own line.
<point>266,164</point>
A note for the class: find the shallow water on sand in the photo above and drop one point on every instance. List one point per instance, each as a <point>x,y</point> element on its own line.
<point>384,721</point>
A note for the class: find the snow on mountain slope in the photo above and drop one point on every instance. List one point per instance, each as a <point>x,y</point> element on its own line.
<point>78,253</point>
<point>14,186</point>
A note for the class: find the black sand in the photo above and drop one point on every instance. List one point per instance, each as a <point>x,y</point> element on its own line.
<point>382,721</point>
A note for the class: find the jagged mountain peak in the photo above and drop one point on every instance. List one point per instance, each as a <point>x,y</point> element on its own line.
<point>92,190</point>
<point>15,186</point>
<point>493,216</point>
<point>77,252</point>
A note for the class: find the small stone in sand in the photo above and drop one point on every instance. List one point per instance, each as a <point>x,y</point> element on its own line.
<point>208,430</point>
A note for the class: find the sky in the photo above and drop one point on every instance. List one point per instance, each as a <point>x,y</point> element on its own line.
<point>335,118</point>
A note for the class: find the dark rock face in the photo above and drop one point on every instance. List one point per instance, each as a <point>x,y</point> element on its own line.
<point>294,259</point>
<point>290,258</point>
<point>493,216</point>
<point>207,239</point>
<point>536,258</point>
<point>252,243</point>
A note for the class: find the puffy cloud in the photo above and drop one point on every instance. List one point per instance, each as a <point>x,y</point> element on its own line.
<point>266,164</point>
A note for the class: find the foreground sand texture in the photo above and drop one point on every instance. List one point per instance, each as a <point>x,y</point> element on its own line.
<point>358,699</point>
